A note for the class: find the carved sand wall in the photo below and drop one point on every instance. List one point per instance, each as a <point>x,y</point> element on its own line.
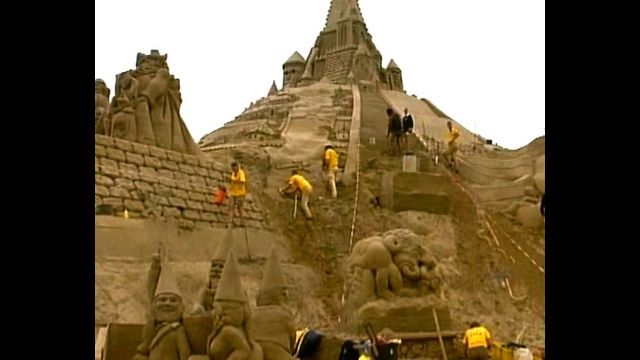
<point>149,181</point>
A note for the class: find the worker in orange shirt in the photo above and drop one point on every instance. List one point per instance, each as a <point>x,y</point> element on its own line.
<point>237,192</point>
<point>297,183</point>
<point>330,168</point>
<point>477,341</point>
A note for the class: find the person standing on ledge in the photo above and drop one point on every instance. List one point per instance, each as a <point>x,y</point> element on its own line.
<point>237,192</point>
<point>452,145</point>
<point>407,128</point>
<point>394,130</point>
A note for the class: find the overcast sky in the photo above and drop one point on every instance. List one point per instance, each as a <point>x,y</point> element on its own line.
<point>480,62</point>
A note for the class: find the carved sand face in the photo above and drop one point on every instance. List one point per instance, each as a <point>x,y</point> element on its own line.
<point>215,272</point>
<point>167,307</point>
<point>149,65</point>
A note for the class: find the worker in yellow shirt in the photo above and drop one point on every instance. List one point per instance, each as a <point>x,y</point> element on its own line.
<point>298,183</point>
<point>477,341</point>
<point>330,168</point>
<point>452,145</point>
<point>237,192</point>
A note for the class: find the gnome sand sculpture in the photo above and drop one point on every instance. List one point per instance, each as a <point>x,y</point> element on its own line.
<point>274,327</point>
<point>163,337</point>
<point>231,337</point>
<point>207,293</point>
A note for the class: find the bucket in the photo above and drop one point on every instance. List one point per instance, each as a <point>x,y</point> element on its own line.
<point>522,354</point>
<point>409,162</point>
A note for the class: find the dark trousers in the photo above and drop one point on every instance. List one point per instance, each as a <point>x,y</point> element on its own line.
<point>478,353</point>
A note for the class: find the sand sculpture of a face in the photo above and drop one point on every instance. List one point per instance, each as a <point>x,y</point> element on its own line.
<point>219,258</point>
<point>208,291</point>
<point>167,307</point>
<point>215,272</point>
<point>149,64</point>
<point>167,302</point>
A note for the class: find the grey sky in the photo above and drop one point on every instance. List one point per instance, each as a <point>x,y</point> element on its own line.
<point>481,62</point>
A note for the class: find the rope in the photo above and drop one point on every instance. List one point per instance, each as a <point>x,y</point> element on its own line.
<point>355,213</point>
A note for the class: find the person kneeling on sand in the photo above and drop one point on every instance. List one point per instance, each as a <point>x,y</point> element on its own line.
<point>477,341</point>
<point>297,183</point>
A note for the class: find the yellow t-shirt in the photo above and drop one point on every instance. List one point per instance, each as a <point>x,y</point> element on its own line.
<point>332,157</point>
<point>454,130</point>
<point>238,189</point>
<point>300,182</point>
<point>477,336</point>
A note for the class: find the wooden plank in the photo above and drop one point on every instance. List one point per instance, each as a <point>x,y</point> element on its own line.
<point>427,335</point>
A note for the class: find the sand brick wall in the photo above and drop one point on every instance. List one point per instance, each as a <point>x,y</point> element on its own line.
<point>149,181</point>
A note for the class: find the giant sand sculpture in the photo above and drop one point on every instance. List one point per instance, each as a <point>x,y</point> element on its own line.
<point>146,106</point>
<point>337,94</point>
<point>385,270</point>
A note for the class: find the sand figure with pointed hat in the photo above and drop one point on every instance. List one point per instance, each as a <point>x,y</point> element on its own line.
<point>208,292</point>
<point>276,332</point>
<point>231,336</point>
<point>164,337</point>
